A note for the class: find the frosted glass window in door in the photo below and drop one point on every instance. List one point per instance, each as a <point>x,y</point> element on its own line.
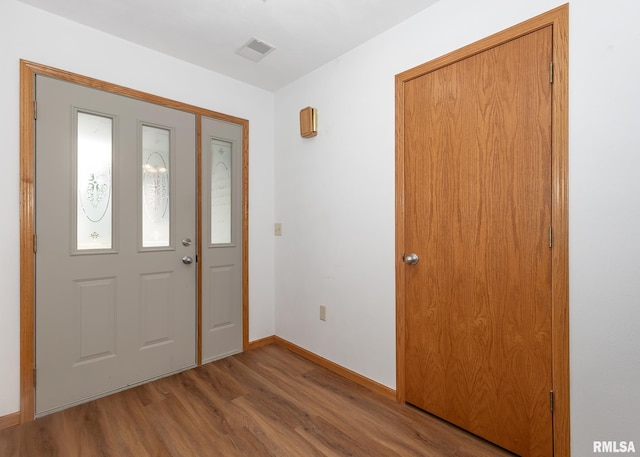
<point>220,192</point>
<point>156,195</point>
<point>94,159</point>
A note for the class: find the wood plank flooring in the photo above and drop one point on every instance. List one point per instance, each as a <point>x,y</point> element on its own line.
<point>266,402</point>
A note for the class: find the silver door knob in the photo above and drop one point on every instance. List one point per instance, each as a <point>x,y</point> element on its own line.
<point>411,259</point>
<point>186,259</point>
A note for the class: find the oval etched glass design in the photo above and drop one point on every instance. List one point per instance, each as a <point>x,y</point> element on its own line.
<point>220,192</point>
<point>94,158</point>
<point>156,195</point>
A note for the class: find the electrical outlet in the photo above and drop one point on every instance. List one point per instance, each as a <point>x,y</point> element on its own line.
<point>323,313</point>
<point>277,229</point>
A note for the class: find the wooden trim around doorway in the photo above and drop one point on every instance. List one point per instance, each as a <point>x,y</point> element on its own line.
<point>28,71</point>
<point>559,20</point>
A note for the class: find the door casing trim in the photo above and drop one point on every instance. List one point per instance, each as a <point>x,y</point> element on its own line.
<point>28,71</point>
<point>558,18</point>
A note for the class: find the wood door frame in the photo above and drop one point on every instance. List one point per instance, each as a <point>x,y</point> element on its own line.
<point>28,72</point>
<point>558,18</point>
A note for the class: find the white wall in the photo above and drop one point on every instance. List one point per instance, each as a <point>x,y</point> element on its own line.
<point>34,35</point>
<point>335,197</point>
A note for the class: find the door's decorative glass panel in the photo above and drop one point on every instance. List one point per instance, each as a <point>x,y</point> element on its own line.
<point>94,159</point>
<point>156,195</point>
<point>220,192</point>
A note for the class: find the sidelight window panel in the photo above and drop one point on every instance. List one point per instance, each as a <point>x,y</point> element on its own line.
<point>221,195</point>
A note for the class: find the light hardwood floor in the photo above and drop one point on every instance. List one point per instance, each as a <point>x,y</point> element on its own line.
<point>266,402</point>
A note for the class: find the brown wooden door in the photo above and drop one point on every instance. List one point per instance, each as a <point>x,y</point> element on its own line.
<point>477,139</point>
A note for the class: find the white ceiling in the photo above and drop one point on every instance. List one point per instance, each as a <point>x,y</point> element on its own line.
<point>207,33</point>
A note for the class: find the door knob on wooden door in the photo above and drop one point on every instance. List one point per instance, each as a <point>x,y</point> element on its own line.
<point>411,259</point>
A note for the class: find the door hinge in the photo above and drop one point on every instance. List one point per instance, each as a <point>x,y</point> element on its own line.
<point>551,399</point>
<point>551,72</point>
<point>35,377</point>
<point>35,243</point>
<point>550,237</point>
<point>35,109</point>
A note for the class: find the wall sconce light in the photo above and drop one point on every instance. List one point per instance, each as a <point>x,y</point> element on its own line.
<point>308,122</point>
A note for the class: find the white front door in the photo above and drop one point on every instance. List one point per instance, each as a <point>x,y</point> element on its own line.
<point>116,232</point>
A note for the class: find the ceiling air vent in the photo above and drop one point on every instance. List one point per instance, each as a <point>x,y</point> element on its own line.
<point>255,49</point>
